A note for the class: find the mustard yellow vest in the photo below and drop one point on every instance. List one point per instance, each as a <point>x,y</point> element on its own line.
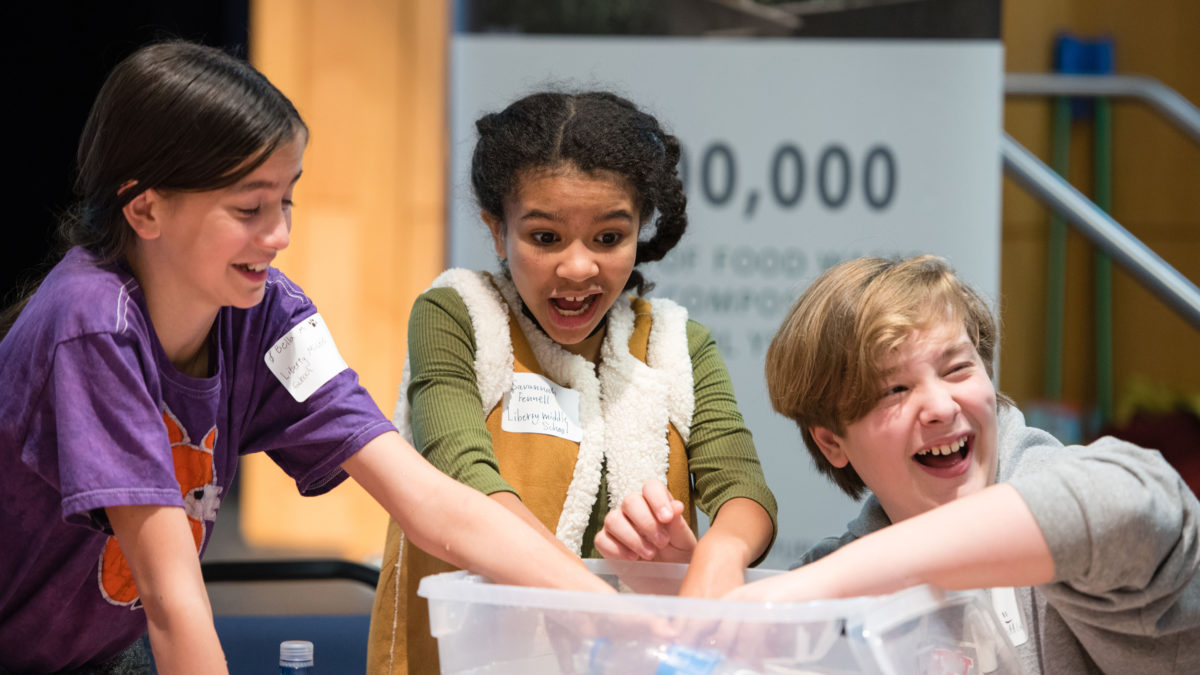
<point>540,468</point>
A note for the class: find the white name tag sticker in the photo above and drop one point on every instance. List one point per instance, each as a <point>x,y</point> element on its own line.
<point>536,405</point>
<point>1004,604</point>
<point>305,358</point>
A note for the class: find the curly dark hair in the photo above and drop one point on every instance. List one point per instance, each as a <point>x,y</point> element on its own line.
<point>592,131</point>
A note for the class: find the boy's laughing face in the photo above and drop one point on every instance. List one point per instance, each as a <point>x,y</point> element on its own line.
<point>931,437</point>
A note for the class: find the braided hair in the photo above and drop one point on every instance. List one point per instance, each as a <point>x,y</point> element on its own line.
<point>593,131</point>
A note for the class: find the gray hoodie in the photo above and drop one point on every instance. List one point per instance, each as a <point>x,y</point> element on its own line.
<point>1124,531</point>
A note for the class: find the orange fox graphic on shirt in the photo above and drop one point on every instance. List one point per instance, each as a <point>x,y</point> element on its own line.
<point>201,497</point>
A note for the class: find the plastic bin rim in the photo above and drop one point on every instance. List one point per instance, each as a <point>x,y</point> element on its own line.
<point>890,611</point>
<point>470,588</point>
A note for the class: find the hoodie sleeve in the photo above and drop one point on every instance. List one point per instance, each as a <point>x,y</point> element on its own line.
<point>1121,524</point>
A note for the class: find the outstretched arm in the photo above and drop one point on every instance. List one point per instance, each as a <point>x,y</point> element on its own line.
<point>157,543</point>
<point>985,540</point>
<point>517,507</point>
<point>459,524</point>
<point>738,536</point>
<point>729,480</point>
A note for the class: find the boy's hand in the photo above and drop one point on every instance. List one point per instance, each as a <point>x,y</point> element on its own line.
<point>794,586</point>
<point>649,525</point>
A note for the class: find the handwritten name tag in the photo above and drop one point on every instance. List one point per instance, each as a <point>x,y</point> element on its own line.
<point>305,358</point>
<point>536,405</point>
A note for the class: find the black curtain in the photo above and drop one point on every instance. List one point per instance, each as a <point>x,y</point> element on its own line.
<point>56,55</point>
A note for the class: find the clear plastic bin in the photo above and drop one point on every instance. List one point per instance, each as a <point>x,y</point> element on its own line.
<point>931,632</point>
<point>485,628</point>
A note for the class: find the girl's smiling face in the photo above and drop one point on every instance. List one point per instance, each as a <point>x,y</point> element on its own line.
<point>211,249</point>
<point>570,239</point>
<point>931,437</point>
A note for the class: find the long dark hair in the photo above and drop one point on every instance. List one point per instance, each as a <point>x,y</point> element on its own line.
<point>171,116</point>
<point>594,131</point>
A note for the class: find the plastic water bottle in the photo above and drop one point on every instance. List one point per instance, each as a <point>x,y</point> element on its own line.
<point>637,658</point>
<point>295,657</point>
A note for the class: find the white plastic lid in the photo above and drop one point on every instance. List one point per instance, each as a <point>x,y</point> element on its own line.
<point>296,653</point>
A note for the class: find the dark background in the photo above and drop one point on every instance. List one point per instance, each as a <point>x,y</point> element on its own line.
<point>907,19</point>
<point>56,55</point>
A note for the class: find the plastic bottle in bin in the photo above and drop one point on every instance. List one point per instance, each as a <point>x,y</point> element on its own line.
<point>606,657</point>
<point>295,657</point>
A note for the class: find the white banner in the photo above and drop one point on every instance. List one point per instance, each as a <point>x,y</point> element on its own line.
<point>797,154</point>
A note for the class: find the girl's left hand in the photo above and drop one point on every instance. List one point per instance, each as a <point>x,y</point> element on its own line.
<point>648,526</point>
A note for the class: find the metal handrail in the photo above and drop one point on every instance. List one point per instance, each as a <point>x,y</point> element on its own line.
<point>1146,89</point>
<point>1144,264</point>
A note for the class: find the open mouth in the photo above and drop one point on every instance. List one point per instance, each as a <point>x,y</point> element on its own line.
<point>255,268</point>
<point>574,305</point>
<point>942,456</point>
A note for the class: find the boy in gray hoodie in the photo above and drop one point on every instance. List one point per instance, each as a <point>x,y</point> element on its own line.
<point>1091,551</point>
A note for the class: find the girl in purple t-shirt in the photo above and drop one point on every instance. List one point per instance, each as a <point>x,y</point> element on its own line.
<point>161,348</point>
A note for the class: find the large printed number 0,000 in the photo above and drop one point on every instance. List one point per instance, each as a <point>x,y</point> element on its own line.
<point>716,171</point>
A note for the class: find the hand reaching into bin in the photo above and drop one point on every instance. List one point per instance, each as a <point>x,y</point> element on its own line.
<point>650,525</point>
<point>886,367</point>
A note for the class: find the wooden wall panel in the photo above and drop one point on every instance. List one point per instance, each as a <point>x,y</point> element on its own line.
<point>1156,169</point>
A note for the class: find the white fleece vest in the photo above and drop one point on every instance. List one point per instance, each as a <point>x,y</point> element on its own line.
<point>625,405</point>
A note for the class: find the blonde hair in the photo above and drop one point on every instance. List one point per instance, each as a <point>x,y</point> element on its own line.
<point>823,365</point>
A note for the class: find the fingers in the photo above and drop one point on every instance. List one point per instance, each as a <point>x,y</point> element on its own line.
<point>632,529</point>
<point>640,513</point>
<point>630,532</point>
<point>647,526</point>
<point>611,547</point>
<point>680,535</point>
<point>668,511</point>
<point>664,507</point>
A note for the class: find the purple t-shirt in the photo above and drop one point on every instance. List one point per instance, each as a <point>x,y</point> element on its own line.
<point>92,414</point>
